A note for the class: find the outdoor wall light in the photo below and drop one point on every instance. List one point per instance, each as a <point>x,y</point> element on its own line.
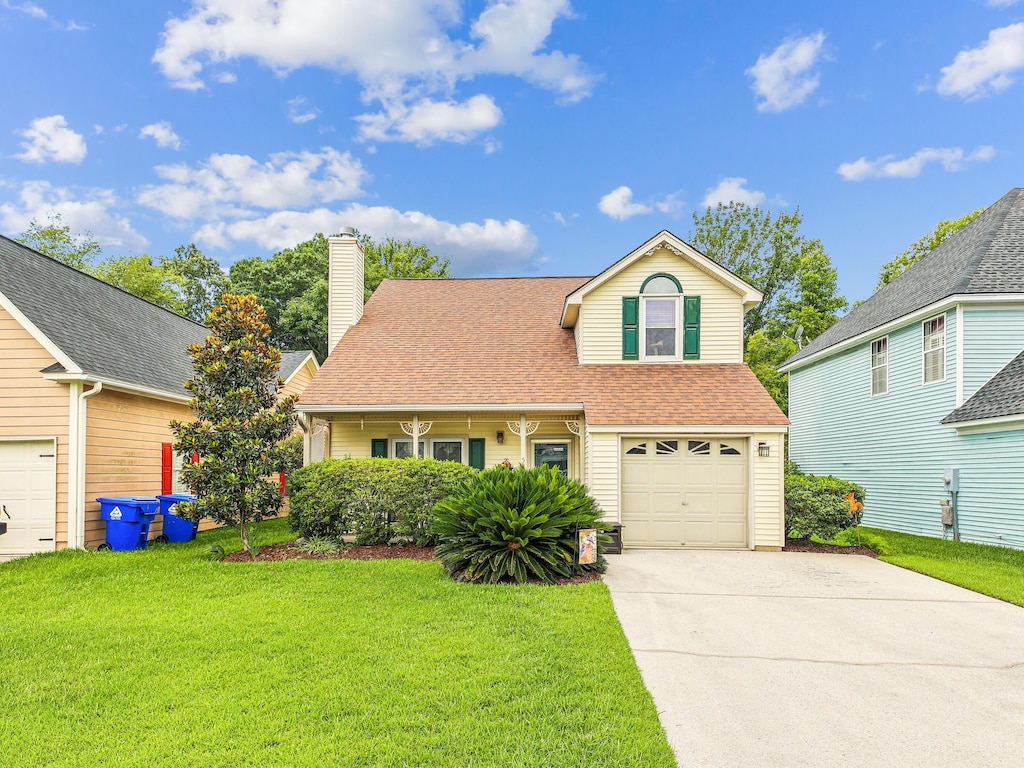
<point>501,437</point>
<point>763,449</point>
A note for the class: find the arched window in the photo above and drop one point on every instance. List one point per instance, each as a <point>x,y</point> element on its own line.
<point>659,316</point>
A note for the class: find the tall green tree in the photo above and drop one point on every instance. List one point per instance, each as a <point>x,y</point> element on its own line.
<point>198,281</point>
<point>140,276</point>
<point>240,420</point>
<point>56,240</point>
<point>794,273</point>
<point>292,284</point>
<point>923,246</point>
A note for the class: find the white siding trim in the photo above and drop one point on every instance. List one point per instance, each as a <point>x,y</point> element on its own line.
<point>959,355</point>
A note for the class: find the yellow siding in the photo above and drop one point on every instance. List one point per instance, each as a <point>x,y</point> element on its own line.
<point>31,406</point>
<point>349,440</point>
<point>768,492</point>
<point>603,466</point>
<point>124,435</point>
<point>300,380</point>
<point>599,328</point>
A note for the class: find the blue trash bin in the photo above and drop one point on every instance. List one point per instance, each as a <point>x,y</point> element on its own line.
<point>128,520</point>
<point>177,529</point>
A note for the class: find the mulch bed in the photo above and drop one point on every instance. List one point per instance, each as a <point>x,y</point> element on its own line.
<point>290,551</point>
<point>806,545</point>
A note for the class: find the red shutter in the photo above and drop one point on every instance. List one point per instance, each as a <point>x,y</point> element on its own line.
<point>166,468</point>
<point>284,479</point>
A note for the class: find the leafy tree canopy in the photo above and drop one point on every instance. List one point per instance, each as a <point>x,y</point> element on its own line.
<point>240,420</point>
<point>794,273</point>
<point>56,240</point>
<point>922,247</point>
<point>198,281</point>
<point>140,276</point>
<point>292,284</point>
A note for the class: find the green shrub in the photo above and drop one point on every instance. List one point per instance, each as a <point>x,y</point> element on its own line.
<point>291,453</point>
<point>375,499</point>
<point>816,506</point>
<point>320,545</point>
<point>511,525</point>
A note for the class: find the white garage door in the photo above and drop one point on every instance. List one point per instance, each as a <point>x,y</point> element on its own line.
<point>684,492</point>
<point>28,497</point>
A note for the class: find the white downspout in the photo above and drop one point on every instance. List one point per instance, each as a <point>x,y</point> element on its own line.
<point>74,402</point>
<point>81,448</point>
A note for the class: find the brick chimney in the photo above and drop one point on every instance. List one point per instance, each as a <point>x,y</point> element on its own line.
<point>345,285</point>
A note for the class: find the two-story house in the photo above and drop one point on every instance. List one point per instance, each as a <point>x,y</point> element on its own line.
<point>632,381</point>
<point>918,393</point>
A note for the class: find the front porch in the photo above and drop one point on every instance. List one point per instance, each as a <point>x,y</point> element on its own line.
<point>479,439</point>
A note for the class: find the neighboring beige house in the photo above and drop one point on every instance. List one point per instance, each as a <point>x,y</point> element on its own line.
<point>632,381</point>
<point>90,376</point>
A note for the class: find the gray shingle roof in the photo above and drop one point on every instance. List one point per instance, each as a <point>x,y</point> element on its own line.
<point>985,257</point>
<point>290,361</point>
<point>1002,395</point>
<point>105,331</point>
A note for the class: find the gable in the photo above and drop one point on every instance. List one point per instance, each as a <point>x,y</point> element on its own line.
<point>599,316</point>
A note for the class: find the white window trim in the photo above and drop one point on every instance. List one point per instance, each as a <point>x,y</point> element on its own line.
<point>570,457</point>
<point>678,355</point>
<point>442,439</point>
<point>406,439</point>
<point>873,367</point>
<point>924,352</point>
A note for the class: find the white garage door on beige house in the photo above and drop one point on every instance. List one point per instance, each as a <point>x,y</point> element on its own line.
<point>28,497</point>
<point>685,491</point>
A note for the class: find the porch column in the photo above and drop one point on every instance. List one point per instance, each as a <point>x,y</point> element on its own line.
<point>522,439</point>
<point>416,436</point>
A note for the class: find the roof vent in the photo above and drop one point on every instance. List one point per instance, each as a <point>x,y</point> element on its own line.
<point>347,232</point>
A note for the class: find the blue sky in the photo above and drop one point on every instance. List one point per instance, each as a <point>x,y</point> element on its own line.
<point>522,137</point>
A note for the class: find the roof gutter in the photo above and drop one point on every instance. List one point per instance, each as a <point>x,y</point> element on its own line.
<point>117,385</point>
<point>440,408</point>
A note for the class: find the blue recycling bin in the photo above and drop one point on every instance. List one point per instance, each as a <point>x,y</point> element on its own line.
<point>177,529</point>
<point>128,519</point>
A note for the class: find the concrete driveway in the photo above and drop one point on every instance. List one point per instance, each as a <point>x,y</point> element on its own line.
<point>788,659</point>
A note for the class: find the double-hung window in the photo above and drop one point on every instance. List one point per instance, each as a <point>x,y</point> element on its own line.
<point>934,347</point>
<point>660,317</point>
<point>880,366</point>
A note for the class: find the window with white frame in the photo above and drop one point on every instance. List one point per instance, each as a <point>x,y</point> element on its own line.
<point>934,347</point>
<point>660,316</point>
<point>880,366</point>
<point>402,448</point>
<point>448,449</point>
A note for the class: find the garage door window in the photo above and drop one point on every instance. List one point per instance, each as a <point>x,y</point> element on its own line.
<point>699,447</point>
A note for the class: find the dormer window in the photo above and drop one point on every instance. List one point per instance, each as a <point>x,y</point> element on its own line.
<point>659,315</point>
<point>661,323</point>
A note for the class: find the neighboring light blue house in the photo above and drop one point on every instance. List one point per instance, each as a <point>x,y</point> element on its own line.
<point>925,377</point>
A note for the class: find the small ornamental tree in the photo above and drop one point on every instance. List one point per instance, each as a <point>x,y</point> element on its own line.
<point>239,420</point>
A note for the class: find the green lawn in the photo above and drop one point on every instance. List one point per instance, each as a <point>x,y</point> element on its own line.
<point>995,571</point>
<point>163,658</point>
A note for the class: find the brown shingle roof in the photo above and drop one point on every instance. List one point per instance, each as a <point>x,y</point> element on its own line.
<point>493,342</point>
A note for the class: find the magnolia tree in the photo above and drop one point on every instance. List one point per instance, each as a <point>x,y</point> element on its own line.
<point>240,419</point>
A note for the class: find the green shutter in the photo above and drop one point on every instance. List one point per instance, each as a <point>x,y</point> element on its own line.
<point>476,452</point>
<point>630,327</point>
<point>379,448</point>
<point>691,327</point>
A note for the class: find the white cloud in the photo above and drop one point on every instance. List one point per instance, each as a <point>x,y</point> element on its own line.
<point>427,121</point>
<point>473,248</point>
<point>732,190</point>
<point>95,212</point>
<point>987,69</point>
<point>671,205</point>
<point>29,9</point>
<point>301,111</point>
<point>409,55</point>
<point>163,134</point>
<point>234,185</point>
<point>889,167</point>
<point>784,78</point>
<point>618,204</point>
<point>49,138</point>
